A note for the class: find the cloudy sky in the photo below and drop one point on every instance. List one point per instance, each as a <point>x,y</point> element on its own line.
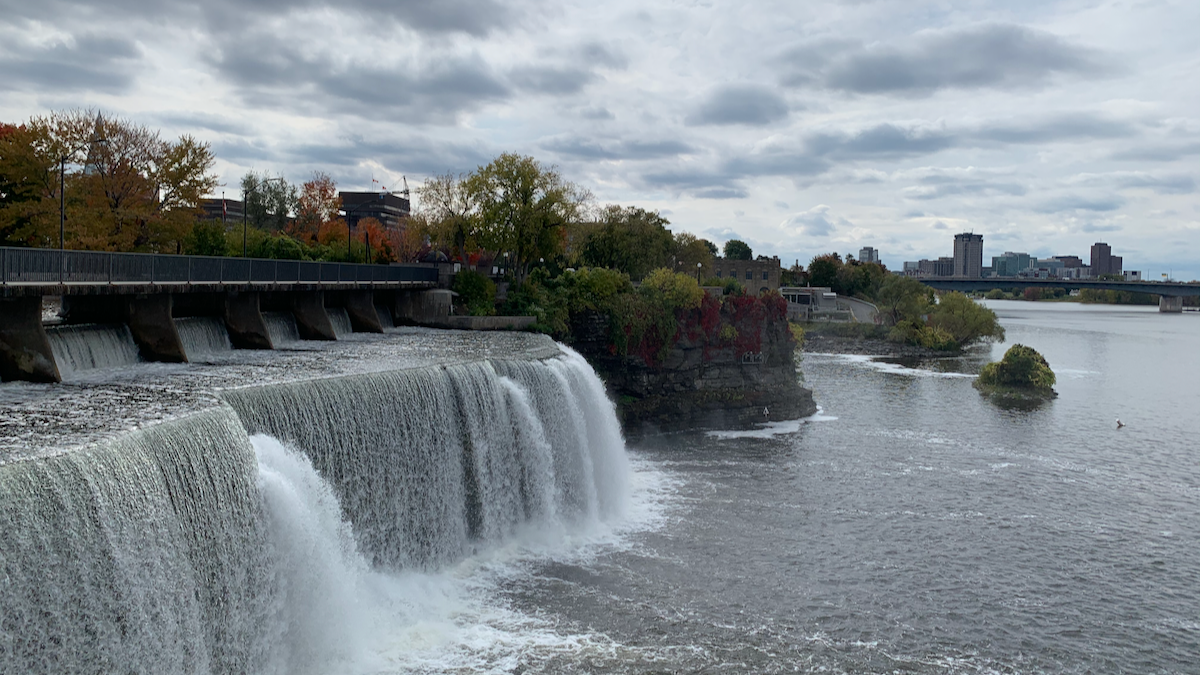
<point>800,127</point>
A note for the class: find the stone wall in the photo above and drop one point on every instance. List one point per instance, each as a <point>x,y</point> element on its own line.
<point>699,384</point>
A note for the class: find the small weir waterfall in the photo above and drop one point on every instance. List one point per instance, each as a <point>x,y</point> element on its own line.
<point>270,533</point>
<point>80,347</point>
<point>203,336</point>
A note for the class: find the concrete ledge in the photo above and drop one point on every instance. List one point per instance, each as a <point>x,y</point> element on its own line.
<point>484,322</point>
<point>25,352</point>
<point>421,308</point>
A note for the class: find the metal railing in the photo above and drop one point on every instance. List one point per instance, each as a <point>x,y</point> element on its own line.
<point>35,266</point>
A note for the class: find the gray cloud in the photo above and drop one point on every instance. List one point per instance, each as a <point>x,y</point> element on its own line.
<point>940,185</point>
<point>883,140</point>
<point>1177,183</point>
<point>278,74</point>
<point>993,55</point>
<point>1070,127</point>
<point>615,150</point>
<point>1159,153</point>
<point>749,104</point>
<point>597,113</point>
<point>412,154</point>
<point>1080,203</point>
<point>550,79</point>
<point>1093,227</point>
<point>721,193</point>
<point>86,62</point>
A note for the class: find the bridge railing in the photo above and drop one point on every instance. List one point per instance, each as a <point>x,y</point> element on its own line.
<point>32,266</point>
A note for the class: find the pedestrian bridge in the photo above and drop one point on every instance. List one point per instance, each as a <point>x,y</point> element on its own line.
<point>1170,294</point>
<point>148,292</point>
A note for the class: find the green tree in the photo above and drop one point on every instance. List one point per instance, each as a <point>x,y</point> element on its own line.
<point>270,201</point>
<point>736,249</point>
<point>629,239</point>
<point>523,209</point>
<point>823,270</point>
<point>902,298</point>
<point>965,320</point>
<point>448,214</point>
<point>28,186</point>
<point>691,255</point>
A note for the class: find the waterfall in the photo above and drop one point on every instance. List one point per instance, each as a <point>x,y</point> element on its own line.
<point>432,463</point>
<point>281,326</point>
<point>252,536</point>
<point>88,346</point>
<point>385,317</point>
<point>142,554</point>
<point>203,336</point>
<point>340,320</point>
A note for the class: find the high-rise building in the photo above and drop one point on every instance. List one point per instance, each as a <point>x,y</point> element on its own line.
<point>1101,252</point>
<point>1010,264</point>
<point>868,254</point>
<point>968,255</point>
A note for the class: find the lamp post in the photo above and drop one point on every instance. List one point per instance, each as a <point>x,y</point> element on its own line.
<point>62,203</point>
<point>698,266</point>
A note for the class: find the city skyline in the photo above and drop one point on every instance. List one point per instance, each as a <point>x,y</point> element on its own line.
<point>800,130</point>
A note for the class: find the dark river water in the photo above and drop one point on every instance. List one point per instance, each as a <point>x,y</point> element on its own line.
<point>914,526</point>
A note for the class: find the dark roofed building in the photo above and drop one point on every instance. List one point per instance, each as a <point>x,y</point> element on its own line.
<point>389,209</point>
<point>227,210</point>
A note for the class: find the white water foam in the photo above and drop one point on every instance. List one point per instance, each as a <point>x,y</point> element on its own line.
<point>771,429</point>
<point>338,615</point>
<point>891,368</point>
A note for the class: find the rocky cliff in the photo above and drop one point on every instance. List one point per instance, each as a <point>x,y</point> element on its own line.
<point>731,365</point>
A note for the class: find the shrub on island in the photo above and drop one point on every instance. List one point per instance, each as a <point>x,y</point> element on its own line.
<point>1023,373</point>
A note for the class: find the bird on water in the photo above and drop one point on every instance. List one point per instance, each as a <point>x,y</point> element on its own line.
<point>1120,423</point>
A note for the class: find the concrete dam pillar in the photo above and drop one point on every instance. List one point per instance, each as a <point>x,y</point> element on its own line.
<point>153,328</point>
<point>311,318</point>
<point>1172,304</point>
<point>244,320</point>
<point>25,352</point>
<point>360,307</point>
<point>422,307</point>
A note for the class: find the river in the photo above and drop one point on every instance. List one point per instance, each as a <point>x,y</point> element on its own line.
<point>912,526</point>
<point>915,527</point>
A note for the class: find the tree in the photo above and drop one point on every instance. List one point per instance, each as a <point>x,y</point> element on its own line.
<point>448,214</point>
<point>523,209</point>
<point>736,249</point>
<point>712,248</point>
<point>902,298</point>
<point>823,269</point>
<point>965,320</point>
<point>269,201</point>
<point>28,186</point>
<point>1021,368</point>
<point>629,239</point>
<point>318,203</point>
<point>690,252</point>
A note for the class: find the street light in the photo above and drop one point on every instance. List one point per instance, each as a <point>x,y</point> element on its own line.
<point>62,201</point>
<point>698,266</point>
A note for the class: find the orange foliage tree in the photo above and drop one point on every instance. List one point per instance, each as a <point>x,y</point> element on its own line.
<point>318,208</point>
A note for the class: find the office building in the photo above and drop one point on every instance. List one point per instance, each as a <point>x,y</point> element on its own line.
<point>868,254</point>
<point>389,209</point>
<point>968,255</point>
<point>1103,261</point>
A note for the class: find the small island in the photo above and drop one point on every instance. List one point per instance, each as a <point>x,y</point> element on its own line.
<point>1022,375</point>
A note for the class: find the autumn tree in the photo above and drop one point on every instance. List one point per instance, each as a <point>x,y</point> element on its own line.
<point>135,191</point>
<point>523,208</point>
<point>318,203</point>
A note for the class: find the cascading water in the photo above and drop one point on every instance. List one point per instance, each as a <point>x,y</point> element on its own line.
<point>193,546</point>
<point>340,320</point>
<point>385,317</point>
<point>89,346</point>
<point>203,336</point>
<point>281,326</point>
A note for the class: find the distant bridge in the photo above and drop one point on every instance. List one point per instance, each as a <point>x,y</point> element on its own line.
<point>148,292</point>
<point>1170,294</point>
